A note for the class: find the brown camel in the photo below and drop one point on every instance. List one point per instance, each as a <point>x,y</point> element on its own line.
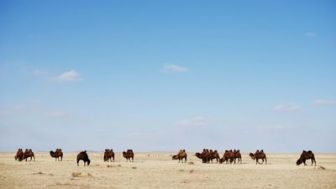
<point>108,155</point>
<point>259,155</point>
<point>129,154</point>
<point>180,156</point>
<point>214,155</point>
<point>208,156</point>
<point>19,155</point>
<point>306,155</point>
<point>204,155</point>
<point>83,156</point>
<point>230,156</point>
<point>28,154</point>
<point>57,154</point>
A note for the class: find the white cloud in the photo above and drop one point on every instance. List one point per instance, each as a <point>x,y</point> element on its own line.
<point>172,68</point>
<point>69,76</point>
<point>286,108</point>
<point>197,121</point>
<point>58,114</point>
<point>310,34</point>
<point>325,102</point>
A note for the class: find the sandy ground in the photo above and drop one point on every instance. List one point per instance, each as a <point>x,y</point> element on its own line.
<point>157,170</point>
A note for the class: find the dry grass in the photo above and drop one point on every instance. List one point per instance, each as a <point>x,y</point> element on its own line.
<point>157,170</point>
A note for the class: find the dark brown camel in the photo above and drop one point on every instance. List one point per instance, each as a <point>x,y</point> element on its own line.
<point>128,155</point>
<point>28,154</point>
<point>19,155</point>
<point>108,155</point>
<point>57,154</point>
<point>259,155</point>
<point>306,155</point>
<point>180,156</point>
<point>204,155</point>
<point>83,156</point>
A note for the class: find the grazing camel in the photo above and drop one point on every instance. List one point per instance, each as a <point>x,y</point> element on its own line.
<point>180,156</point>
<point>108,155</point>
<point>83,156</point>
<point>57,154</point>
<point>28,154</point>
<point>19,155</point>
<point>306,155</point>
<point>259,155</point>
<point>128,155</point>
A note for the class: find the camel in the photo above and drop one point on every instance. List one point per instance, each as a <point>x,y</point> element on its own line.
<point>108,155</point>
<point>230,156</point>
<point>207,155</point>
<point>180,156</point>
<point>83,156</point>
<point>259,155</point>
<point>237,155</point>
<point>204,155</point>
<point>57,154</point>
<point>128,155</point>
<point>19,155</point>
<point>28,153</point>
<point>214,155</point>
<point>306,155</point>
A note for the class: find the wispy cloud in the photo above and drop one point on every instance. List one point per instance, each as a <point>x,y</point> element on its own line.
<point>325,102</point>
<point>286,108</point>
<point>197,121</point>
<point>69,76</point>
<point>173,68</point>
<point>311,34</point>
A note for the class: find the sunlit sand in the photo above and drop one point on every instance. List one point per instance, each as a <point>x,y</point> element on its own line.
<point>157,170</point>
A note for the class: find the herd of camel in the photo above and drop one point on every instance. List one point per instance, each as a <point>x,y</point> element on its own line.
<point>207,156</point>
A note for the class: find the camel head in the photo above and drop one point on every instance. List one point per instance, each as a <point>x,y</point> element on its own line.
<point>298,162</point>
<point>198,155</point>
<point>252,156</point>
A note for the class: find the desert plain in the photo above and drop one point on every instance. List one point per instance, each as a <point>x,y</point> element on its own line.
<point>158,170</point>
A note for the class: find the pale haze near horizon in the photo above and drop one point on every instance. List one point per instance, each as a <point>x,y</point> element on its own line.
<point>160,76</point>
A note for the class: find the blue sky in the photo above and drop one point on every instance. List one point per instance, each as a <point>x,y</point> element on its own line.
<point>165,75</point>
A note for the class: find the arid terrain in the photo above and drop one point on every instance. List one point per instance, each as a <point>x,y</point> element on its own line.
<point>157,170</point>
